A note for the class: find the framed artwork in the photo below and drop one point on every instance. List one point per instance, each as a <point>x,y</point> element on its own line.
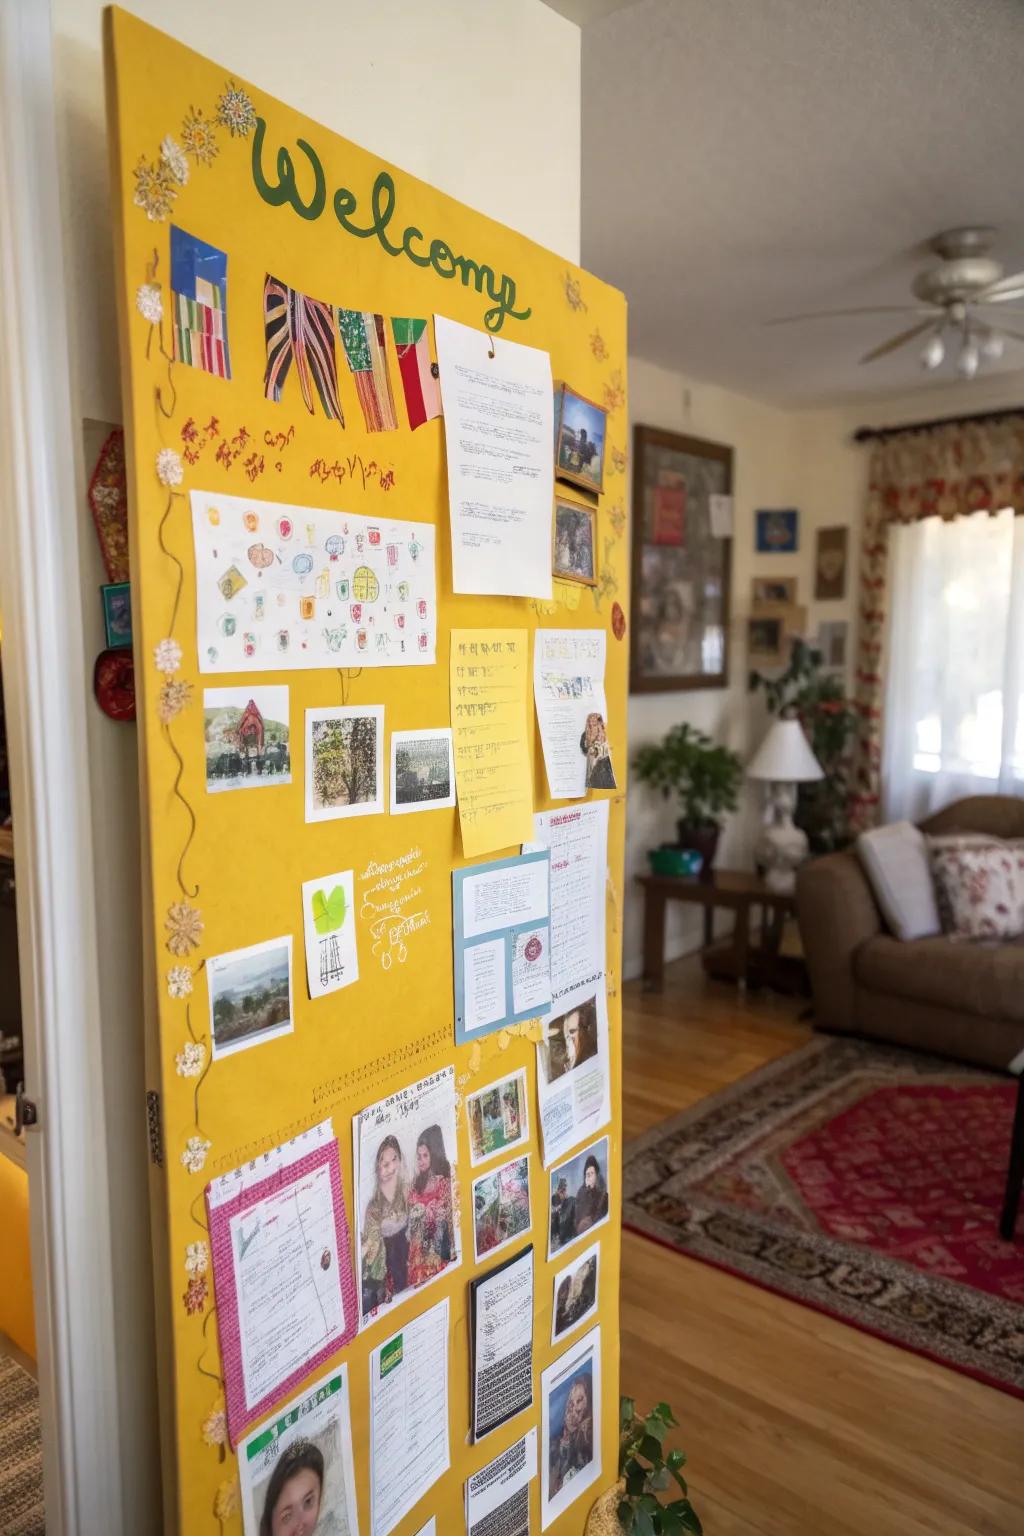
<point>117,614</point>
<point>680,568</point>
<point>773,591</point>
<point>574,552</point>
<point>832,644</point>
<point>830,564</point>
<point>778,531</point>
<point>579,439</point>
<point>769,632</point>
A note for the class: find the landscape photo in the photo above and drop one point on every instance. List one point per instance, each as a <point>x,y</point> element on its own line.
<point>250,995</point>
<point>344,762</point>
<point>422,773</point>
<point>245,731</point>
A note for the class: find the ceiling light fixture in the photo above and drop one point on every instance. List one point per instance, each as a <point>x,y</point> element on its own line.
<point>933,352</point>
<point>970,357</point>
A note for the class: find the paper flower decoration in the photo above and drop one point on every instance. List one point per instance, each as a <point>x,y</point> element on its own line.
<point>615,392</point>
<point>169,469</point>
<point>197,1259</point>
<point>235,111</point>
<point>173,157</point>
<point>149,303</point>
<point>226,1503</point>
<point>184,926</point>
<point>179,981</point>
<point>215,1425</point>
<point>174,697</point>
<point>190,1060</point>
<point>194,1155</point>
<point>618,461</point>
<point>198,138</point>
<point>196,1293</point>
<point>599,347</point>
<point>167,656</point>
<point>155,189</point>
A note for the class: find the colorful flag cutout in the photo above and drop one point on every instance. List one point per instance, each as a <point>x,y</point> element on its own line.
<point>362,335</point>
<point>419,374</point>
<point>302,328</point>
<point>199,286</point>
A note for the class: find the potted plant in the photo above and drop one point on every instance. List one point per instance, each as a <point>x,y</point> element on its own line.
<point>646,1472</point>
<point>704,778</point>
<point>829,719</point>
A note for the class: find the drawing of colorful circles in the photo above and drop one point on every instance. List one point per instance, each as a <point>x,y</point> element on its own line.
<point>260,556</point>
<point>365,586</point>
<point>285,527</point>
<point>335,545</point>
<point>302,564</point>
<point>227,624</point>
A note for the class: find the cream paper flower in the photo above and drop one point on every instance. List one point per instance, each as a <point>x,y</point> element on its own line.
<point>167,656</point>
<point>197,1259</point>
<point>169,469</point>
<point>149,303</point>
<point>190,1060</point>
<point>173,156</point>
<point>194,1156</point>
<point>179,981</point>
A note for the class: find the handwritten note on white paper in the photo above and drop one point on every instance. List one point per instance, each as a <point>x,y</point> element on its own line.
<point>408,1417</point>
<point>499,426</point>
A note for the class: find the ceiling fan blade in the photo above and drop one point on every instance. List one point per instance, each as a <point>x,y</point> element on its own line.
<point>898,341</point>
<point>1000,330</point>
<point>1007,289</point>
<point>874,309</point>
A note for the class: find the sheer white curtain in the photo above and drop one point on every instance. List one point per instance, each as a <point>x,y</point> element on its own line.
<point>954,706</point>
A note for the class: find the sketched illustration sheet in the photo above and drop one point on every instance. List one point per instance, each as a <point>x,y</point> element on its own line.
<point>280,586</point>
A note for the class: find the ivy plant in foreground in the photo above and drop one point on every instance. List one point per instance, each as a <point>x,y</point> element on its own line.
<point>647,1472</point>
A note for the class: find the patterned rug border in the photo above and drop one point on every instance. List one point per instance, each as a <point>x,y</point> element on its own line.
<point>910,1290</point>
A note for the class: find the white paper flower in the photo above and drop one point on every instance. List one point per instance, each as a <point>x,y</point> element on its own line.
<point>149,303</point>
<point>190,1061</point>
<point>197,1258</point>
<point>194,1156</point>
<point>173,156</point>
<point>167,656</point>
<point>169,468</point>
<point>179,981</point>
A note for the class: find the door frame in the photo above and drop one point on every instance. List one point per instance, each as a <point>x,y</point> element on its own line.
<point>46,686</point>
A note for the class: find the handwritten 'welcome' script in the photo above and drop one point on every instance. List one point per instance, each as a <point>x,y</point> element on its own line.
<point>439,255</point>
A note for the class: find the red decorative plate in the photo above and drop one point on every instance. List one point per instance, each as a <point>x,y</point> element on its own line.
<point>113,682</point>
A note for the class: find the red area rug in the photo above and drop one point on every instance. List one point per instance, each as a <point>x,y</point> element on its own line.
<point>863,1181</point>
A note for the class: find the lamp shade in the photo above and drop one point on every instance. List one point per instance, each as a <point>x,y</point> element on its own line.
<point>785,757</point>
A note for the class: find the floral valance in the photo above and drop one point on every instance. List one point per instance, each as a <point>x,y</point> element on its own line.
<point>948,471</point>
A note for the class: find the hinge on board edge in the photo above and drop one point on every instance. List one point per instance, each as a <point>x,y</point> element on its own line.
<point>156,1136</point>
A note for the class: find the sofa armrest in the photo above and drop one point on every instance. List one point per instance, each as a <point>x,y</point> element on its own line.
<point>837,914</point>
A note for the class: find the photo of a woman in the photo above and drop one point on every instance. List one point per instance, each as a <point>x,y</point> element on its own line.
<point>292,1504</point>
<point>430,1209</point>
<point>591,1197</point>
<point>594,746</point>
<point>572,1442</point>
<point>385,1236</point>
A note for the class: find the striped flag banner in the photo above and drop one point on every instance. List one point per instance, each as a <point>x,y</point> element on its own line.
<point>301,329</point>
<point>362,336</point>
<point>419,374</point>
<point>199,287</point>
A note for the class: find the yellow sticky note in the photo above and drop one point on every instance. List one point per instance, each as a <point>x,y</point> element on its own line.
<point>488,679</point>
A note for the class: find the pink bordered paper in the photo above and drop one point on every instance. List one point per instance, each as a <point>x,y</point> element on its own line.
<point>293,1259</point>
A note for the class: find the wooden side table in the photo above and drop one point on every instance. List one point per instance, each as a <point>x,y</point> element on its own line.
<point>735,889</point>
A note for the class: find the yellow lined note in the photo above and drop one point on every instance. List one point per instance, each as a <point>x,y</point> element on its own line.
<point>488,676</point>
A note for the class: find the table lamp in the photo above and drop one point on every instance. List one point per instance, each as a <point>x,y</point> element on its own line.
<point>784,760</point>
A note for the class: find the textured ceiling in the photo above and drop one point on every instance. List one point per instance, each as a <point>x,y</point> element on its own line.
<point>744,159</point>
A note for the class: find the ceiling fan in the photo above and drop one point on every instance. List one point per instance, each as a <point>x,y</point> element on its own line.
<point>958,296</point>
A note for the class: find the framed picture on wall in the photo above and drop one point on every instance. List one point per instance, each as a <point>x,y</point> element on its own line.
<point>680,568</point>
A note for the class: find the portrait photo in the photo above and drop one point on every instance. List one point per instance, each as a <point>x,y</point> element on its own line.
<point>575,1293</point>
<point>422,771</point>
<point>406,1230</point>
<point>594,745</point>
<point>578,1196</point>
<point>574,556</point>
<point>579,439</point>
<point>245,733</point>
<point>250,996</point>
<point>498,1117</point>
<point>501,1206</point>
<point>296,1474</point>
<point>569,1040</point>
<point>830,564</point>
<point>570,1425</point>
<point>344,762</point>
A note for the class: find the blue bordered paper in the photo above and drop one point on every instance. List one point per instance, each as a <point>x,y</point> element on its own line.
<point>517,948</point>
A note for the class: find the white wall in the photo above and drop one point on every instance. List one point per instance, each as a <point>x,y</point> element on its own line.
<point>800,458</point>
<point>482,100</point>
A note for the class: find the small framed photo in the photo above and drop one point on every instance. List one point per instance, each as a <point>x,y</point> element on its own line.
<point>773,591</point>
<point>579,439</point>
<point>422,771</point>
<point>344,762</point>
<point>117,614</point>
<point>250,996</point>
<point>832,645</point>
<point>769,633</point>
<point>574,553</point>
<point>830,564</point>
<point>778,531</point>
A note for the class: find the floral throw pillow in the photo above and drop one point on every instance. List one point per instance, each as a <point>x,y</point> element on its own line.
<point>979,885</point>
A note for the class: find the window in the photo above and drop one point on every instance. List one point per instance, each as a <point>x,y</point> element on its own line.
<point>954,716</point>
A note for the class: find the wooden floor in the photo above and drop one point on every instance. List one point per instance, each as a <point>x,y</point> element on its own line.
<point>795,1425</point>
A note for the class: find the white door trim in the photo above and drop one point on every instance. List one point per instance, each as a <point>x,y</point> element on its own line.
<point>46,685</point>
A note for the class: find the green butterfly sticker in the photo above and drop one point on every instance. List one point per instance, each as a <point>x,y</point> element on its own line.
<point>329,911</point>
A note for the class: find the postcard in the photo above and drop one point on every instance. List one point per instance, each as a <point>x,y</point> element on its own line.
<point>501,1206</point>
<point>576,1293</point>
<point>498,1117</point>
<point>250,995</point>
<point>570,1397</point>
<point>344,762</point>
<point>578,1190</point>
<point>422,771</point>
<point>329,928</point>
<point>246,737</point>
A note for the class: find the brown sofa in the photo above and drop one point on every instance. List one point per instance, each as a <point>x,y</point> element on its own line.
<point>963,1000</point>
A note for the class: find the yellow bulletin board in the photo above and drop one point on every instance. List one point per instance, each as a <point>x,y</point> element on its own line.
<point>275,193</point>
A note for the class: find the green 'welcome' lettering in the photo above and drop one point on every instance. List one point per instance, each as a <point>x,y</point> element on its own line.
<point>440,257</point>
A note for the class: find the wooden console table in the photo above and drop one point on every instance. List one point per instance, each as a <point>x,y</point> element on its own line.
<point>736,889</point>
